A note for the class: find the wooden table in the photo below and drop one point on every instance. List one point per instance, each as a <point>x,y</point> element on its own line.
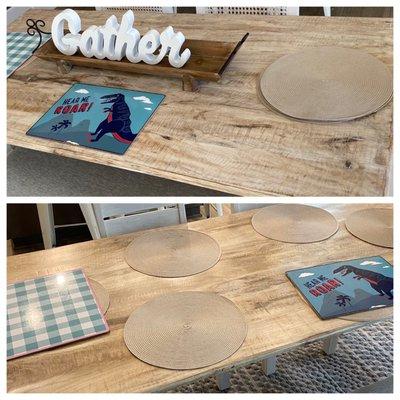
<point>251,273</point>
<point>222,137</point>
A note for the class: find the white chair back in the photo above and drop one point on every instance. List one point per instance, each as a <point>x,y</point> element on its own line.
<point>164,10</point>
<point>105,220</point>
<point>235,208</point>
<point>249,10</point>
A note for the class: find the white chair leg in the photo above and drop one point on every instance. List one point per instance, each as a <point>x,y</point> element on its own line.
<point>330,344</point>
<point>268,365</point>
<point>90,218</point>
<point>220,211</point>
<point>207,210</point>
<point>46,219</point>
<point>235,208</point>
<point>223,380</point>
<point>293,11</point>
<point>327,11</point>
<point>182,214</point>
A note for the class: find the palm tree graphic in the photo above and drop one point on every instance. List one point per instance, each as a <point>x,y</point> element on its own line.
<point>64,124</point>
<point>342,300</point>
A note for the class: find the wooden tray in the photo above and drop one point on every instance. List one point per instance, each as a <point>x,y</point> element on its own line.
<point>207,62</point>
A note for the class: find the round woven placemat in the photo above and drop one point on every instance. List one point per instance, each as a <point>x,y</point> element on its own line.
<point>326,84</point>
<point>373,225</point>
<point>173,253</point>
<point>185,330</point>
<point>294,223</point>
<point>102,296</point>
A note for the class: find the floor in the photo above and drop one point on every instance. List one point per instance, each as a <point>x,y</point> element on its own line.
<point>32,173</point>
<point>363,362</point>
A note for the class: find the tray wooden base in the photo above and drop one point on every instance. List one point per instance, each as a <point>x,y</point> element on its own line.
<point>207,62</point>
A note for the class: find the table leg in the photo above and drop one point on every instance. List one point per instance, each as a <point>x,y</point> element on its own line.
<point>268,365</point>
<point>330,344</point>
<point>64,67</point>
<point>223,380</point>
<point>189,84</point>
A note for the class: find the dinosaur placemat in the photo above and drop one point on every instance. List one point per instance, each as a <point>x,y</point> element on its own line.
<point>294,223</point>
<point>346,287</point>
<point>50,311</point>
<point>326,84</point>
<point>377,314</point>
<point>373,225</point>
<point>173,253</point>
<point>185,330</point>
<point>99,117</point>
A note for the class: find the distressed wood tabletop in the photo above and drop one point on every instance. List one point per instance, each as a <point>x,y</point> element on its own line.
<point>222,137</point>
<point>251,273</point>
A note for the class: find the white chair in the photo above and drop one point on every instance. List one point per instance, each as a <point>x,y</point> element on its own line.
<point>256,10</point>
<point>105,220</point>
<point>235,208</point>
<point>46,220</point>
<point>47,225</point>
<point>219,209</point>
<point>164,10</point>
<point>212,209</point>
<point>239,207</point>
<point>249,10</point>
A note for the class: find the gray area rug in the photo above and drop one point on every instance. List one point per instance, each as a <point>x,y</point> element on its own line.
<point>33,173</point>
<point>363,357</point>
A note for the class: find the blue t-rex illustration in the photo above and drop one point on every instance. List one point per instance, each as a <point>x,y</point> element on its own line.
<point>118,120</point>
<point>381,283</point>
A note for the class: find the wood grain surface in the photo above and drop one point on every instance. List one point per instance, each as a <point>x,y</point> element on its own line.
<point>251,273</point>
<point>222,137</point>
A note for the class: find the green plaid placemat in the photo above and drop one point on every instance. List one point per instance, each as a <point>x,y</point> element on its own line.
<point>19,48</point>
<point>50,311</point>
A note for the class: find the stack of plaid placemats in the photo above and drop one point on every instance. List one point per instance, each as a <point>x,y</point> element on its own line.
<point>50,311</point>
<point>19,48</point>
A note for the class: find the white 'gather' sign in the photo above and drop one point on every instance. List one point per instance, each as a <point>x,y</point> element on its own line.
<point>114,41</point>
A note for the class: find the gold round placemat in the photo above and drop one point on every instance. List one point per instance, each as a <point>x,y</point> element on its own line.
<point>173,253</point>
<point>373,225</point>
<point>326,84</point>
<point>294,223</point>
<point>185,330</point>
<point>102,296</point>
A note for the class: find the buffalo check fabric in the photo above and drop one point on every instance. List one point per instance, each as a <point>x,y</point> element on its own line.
<point>50,311</point>
<point>19,48</point>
